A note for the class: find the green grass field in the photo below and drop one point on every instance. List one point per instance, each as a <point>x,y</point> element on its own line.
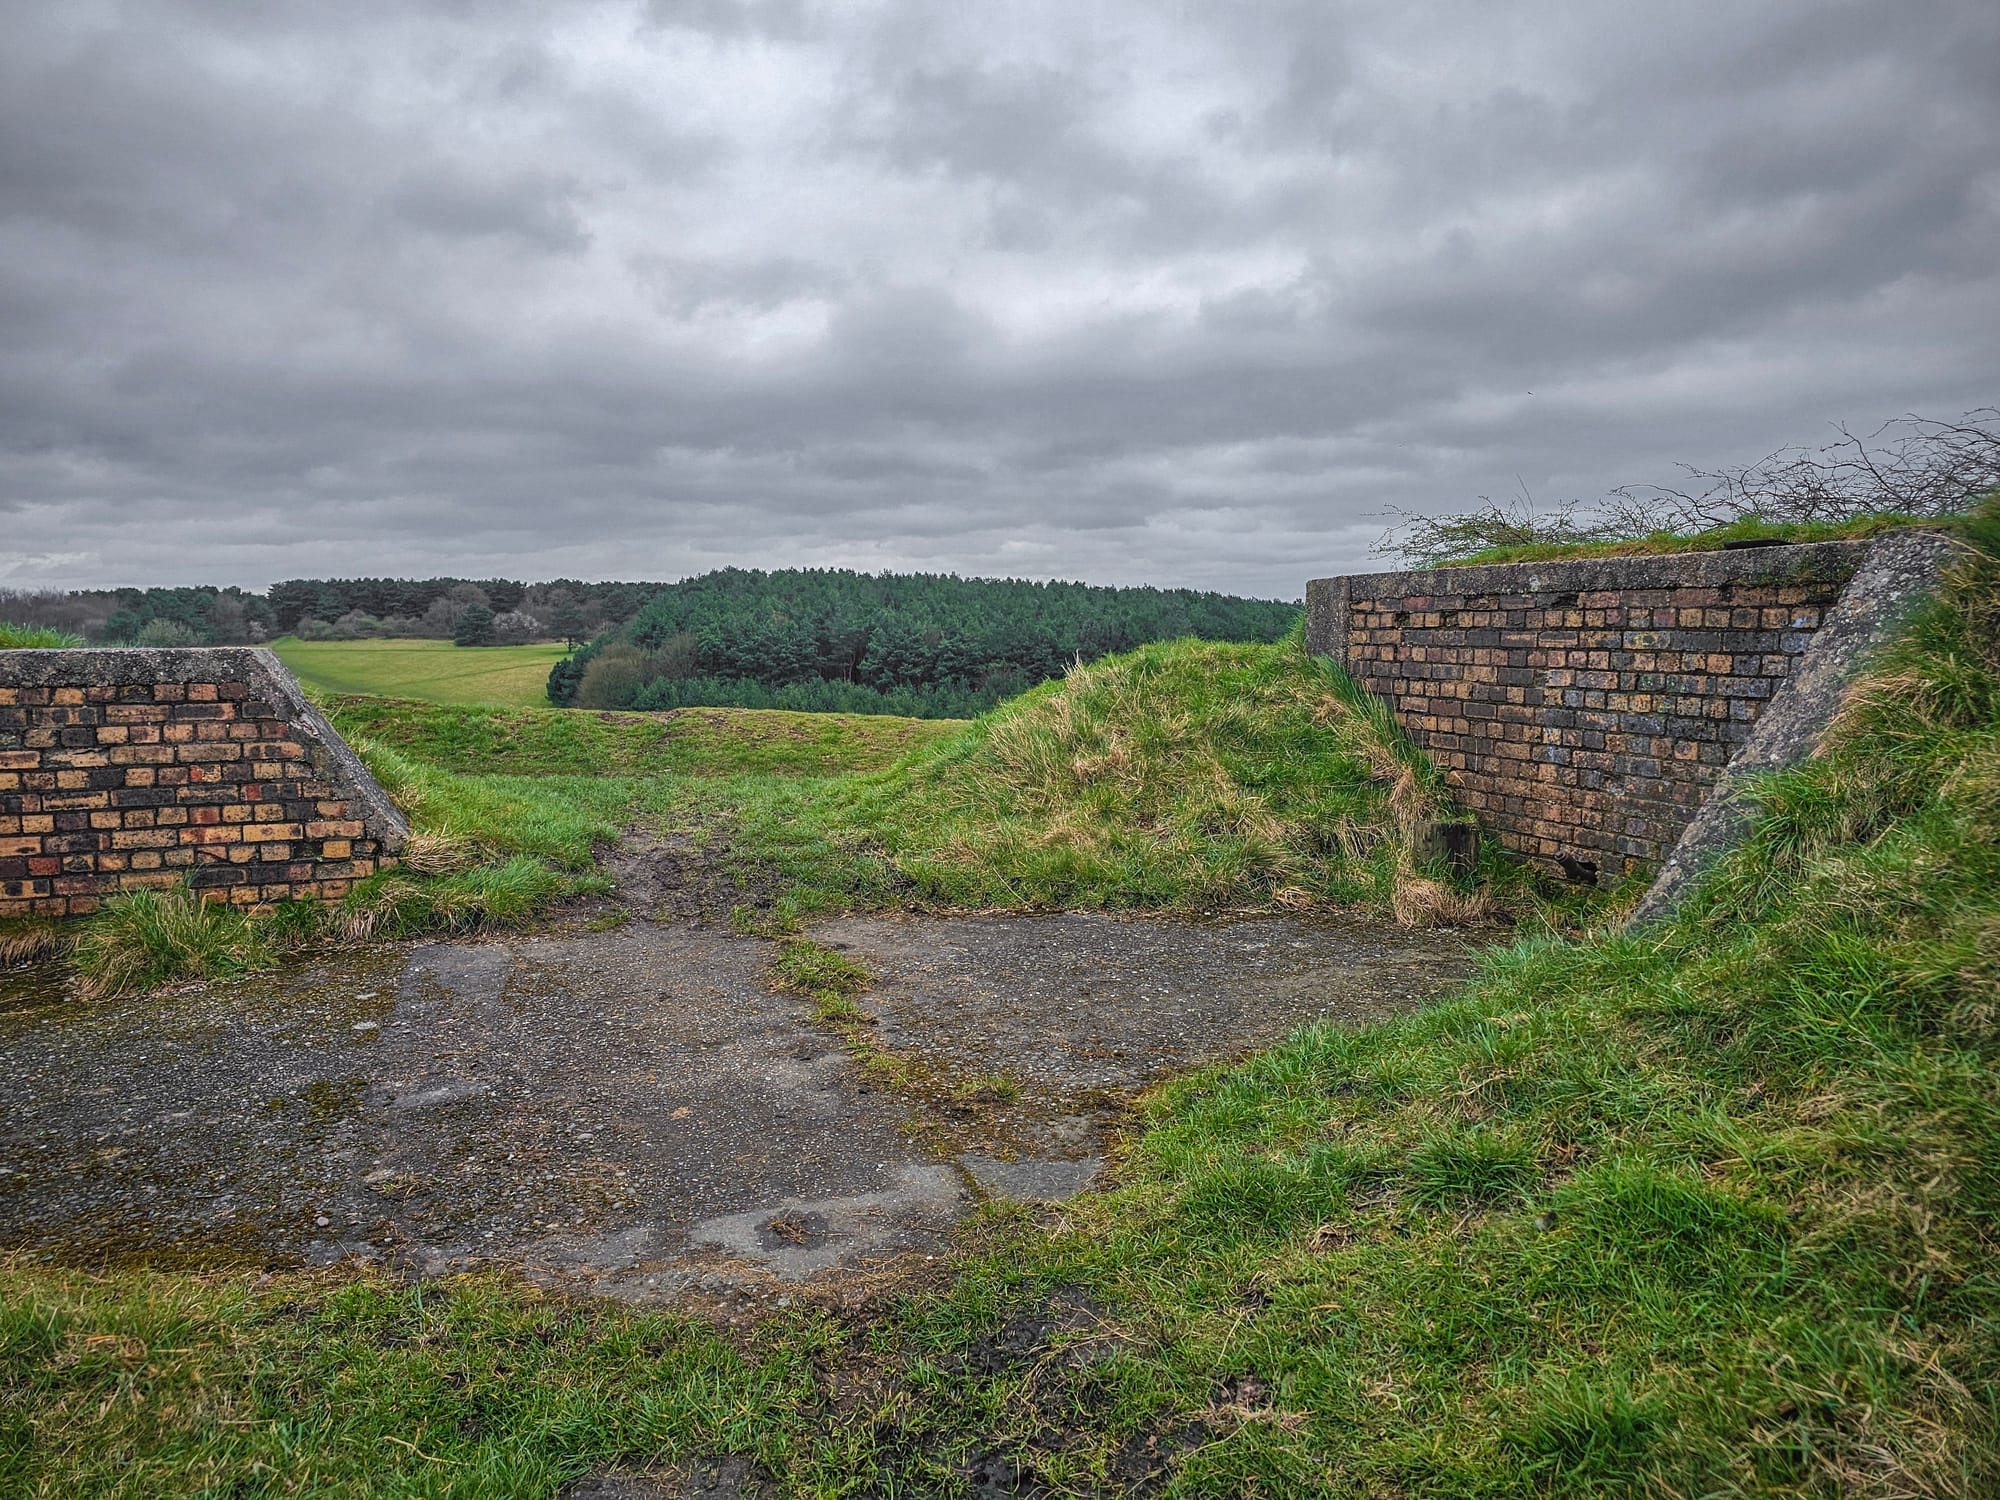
<point>434,671</point>
<point>481,741</point>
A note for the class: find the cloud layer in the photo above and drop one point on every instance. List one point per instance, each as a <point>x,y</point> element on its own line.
<point>1182,294</point>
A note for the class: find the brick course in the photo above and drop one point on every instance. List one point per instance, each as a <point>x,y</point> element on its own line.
<point>123,770</point>
<point>1583,709</point>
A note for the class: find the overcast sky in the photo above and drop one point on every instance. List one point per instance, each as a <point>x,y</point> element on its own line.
<point>1179,293</point>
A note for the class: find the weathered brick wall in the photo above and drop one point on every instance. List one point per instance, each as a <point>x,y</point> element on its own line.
<point>1583,709</point>
<point>121,770</point>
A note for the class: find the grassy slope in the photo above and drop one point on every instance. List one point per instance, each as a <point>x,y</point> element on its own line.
<point>1708,1210</point>
<point>433,671</point>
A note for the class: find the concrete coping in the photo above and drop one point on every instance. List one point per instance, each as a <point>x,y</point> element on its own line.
<point>1328,599</point>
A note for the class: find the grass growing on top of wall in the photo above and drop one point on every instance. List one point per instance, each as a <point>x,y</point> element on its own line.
<point>1709,1209</point>
<point>1749,528</point>
<point>36,638</point>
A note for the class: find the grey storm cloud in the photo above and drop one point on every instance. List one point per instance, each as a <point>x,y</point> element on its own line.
<point>1189,294</point>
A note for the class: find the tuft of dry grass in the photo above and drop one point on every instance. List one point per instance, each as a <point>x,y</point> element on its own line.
<point>23,943</point>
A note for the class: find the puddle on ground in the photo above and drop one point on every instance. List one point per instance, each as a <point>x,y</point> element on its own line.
<point>634,1112</point>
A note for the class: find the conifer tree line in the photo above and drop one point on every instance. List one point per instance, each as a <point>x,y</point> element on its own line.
<point>921,644</point>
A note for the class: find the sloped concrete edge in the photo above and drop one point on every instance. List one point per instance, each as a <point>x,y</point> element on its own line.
<point>1899,572</point>
<point>329,752</point>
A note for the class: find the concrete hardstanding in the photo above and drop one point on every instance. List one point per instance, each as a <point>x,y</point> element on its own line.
<point>123,769</point>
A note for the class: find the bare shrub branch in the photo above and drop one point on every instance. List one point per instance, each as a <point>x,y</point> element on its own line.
<point>1922,467</point>
<point>1912,466</point>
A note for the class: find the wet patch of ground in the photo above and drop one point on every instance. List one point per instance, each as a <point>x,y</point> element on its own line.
<point>634,1111</point>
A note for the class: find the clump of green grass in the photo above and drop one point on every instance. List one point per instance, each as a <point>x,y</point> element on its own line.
<point>147,938</point>
<point>829,979</point>
<point>395,904</point>
<point>36,638</point>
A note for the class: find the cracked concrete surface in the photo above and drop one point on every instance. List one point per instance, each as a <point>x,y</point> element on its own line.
<point>632,1112</point>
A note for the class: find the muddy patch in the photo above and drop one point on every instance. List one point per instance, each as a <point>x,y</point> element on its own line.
<point>634,1111</point>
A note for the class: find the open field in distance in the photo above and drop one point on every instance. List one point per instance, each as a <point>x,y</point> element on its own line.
<point>493,741</point>
<point>434,671</point>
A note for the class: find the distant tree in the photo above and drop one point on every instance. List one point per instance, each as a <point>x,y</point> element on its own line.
<point>442,617</point>
<point>570,624</point>
<point>166,633</point>
<point>475,627</point>
<point>313,629</point>
<point>675,659</point>
<point>516,627</point>
<point>228,619</point>
<point>613,678</point>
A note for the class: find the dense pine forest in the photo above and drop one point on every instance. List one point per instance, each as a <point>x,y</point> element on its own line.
<point>923,644</point>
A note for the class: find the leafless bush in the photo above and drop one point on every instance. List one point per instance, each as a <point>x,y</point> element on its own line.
<point>1432,541</point>
<point>1912,466</point>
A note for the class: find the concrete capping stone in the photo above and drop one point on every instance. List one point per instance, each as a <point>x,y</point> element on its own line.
<point>1900,571</point>
<point>1327,598</point>
<point>1326,617</point>
<point>258,669</point>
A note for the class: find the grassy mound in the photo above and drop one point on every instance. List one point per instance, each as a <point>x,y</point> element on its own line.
<point>1190,775</point>
<point>1184,774</point>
